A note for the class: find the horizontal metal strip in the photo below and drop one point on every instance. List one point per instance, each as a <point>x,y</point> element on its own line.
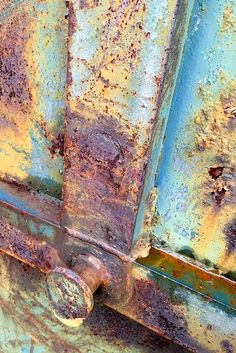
<point>43,224</point>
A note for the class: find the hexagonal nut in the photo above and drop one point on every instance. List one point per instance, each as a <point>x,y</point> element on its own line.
<point>70,297</point>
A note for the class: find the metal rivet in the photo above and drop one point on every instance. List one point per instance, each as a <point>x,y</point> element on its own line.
<point>71,291</point>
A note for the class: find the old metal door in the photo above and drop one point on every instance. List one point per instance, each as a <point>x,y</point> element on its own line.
<point>117,166</point>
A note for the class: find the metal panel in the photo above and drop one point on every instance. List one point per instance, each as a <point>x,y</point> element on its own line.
<point>33,56</point>
<point>117,81</point>
<point>195,185</point>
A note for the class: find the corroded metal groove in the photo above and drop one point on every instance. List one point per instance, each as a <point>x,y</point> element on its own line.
<point>114,81</point>
<point>191,275</point>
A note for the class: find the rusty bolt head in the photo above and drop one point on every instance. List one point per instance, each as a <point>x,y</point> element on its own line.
<point>70,297</point>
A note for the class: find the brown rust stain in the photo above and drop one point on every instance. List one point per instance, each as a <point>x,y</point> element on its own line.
<point>27,249</point>
<point>227,346</point>
<point>88,4</point>
<point>121,331</point>
<point>14,89</point>
<point>56,142</point>
<point>230,232</point>
<point>219,196</point>
<point>57,145</point>
<point>158,311</point>
<point>102,182</point>
<point>216,172</point>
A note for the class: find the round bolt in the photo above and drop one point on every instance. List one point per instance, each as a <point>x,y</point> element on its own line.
<point>71,291</point>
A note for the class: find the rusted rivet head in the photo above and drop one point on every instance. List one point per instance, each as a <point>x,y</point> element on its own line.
<point>70,297</point>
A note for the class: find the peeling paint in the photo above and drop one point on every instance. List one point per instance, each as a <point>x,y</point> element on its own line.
<point>33,53</point>
<point>196,173</point>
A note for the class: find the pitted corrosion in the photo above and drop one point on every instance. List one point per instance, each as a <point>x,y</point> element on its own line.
<point>157,302</point>
<point>99,160</point>
<point>32,83</point>
<point>111,110</point>
<point>14,88</point>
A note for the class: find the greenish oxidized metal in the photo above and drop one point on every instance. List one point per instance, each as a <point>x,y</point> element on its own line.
<point>192,275</point>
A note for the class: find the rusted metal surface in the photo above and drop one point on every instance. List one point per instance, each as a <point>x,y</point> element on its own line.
<point>117,56</point>
<point>182,315</point>
<point>27,324</point>
<point>27,249</point>
<point>159,300</point>
<point>124,60</point>
<point>195,183</point>
<point>33,56</point>
<point>158,303</point>
<point>45,245</point>
<point>71,291</point>
<point>192,275</point>
<point>45,227</point>
<point>70,297</point>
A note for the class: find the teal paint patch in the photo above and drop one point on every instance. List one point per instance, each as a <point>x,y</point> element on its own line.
<point>43,230</point>
<point>47,231</point>
<point>33,227</point>
<point>13,339</point>
<point>17,202</point>
<point>36,349</point>
<point>51,52</point>
<point>173,65</point>
<point>45,173</point>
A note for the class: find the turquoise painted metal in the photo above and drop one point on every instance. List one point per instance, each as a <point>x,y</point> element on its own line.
<point>196,207</point>
<point>135,102</point>
<point>195,163</point>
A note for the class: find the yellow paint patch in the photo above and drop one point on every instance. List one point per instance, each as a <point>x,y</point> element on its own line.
<point>215,144</point>
<point>228,19</point>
